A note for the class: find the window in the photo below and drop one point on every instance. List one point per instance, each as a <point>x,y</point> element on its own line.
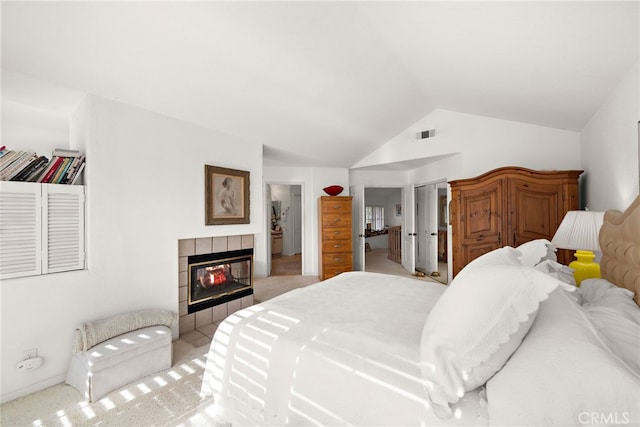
<point>374,215</point>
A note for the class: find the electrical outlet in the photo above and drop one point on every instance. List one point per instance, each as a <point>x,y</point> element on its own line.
<point>30,354</point>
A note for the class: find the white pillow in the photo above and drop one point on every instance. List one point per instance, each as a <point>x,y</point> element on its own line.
<point>616,316</point>
<point>476,325</point>
<point>593,290</point>
<point>534,252</point>
<point>501,256</point>
<point>557,270</point>
<point>563,373</point>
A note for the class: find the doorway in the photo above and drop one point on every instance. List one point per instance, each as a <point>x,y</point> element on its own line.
<point>285,230</point>
<point>431,222</point>
<point>382,216</point>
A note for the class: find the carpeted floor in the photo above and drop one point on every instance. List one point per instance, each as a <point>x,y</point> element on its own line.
<point>168,398</point>
<point>283,265</point>
<point>268,287</point>
<point>376,261</point>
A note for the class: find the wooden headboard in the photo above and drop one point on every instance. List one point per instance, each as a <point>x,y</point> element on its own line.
<point>620,244</point>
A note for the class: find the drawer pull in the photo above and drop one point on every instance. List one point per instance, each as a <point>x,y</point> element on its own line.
<point>337,220</point>
<point>337,246</point>
<point>337,232</point>
<point>337,259</point>
<point>336,206</point>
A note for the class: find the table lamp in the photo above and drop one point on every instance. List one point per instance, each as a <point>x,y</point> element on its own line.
<point>579,231</point>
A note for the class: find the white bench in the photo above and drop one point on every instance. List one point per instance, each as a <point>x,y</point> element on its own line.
<point>119,361</point>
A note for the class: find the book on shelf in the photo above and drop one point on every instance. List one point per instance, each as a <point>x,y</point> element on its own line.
<point>76,174</point>
<point>48,174</point>
<point>7,158</point>
<point>64,152</point>
<point>38,171</point>
<point>66,161</point>
<point>5,161</point>
<point>10,157</point>
<point>20,161</point>
<point>27,171</point>
<point>63,168</point>
<point>76,167</point>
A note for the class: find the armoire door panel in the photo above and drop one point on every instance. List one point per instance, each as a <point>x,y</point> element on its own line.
<point>481,212</point>
<point>477,222</point>
<point>535,210</point>
<point>475,250</point>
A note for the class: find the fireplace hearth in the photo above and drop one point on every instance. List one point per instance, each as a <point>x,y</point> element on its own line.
<point>217,278</point>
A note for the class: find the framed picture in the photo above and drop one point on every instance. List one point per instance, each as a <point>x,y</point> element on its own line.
<point>398,209</point>
<point>226,193</point>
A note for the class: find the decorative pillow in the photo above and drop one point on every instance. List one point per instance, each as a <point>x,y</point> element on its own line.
<point>534,252</point>
<point>501,256</point>
<point>616,316</point>
<point>564,373</point>
<point>595,290</point>
<point>557,270</point>
<point>476,325</point>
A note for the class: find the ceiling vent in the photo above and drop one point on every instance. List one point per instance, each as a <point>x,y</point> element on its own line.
<point>430,133</point>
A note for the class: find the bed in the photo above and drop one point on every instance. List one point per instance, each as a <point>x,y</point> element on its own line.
<point>511,341</point>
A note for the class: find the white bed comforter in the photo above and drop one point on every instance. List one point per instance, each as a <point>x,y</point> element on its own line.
<point>341,352</point>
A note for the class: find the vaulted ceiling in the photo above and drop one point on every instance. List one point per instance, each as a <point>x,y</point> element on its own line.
<point>313,79</point>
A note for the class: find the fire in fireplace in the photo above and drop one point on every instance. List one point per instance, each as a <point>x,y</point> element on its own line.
<point>219,277</point>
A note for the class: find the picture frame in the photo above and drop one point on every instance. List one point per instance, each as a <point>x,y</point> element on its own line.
<point>398,209</point>
<point>226,193</point>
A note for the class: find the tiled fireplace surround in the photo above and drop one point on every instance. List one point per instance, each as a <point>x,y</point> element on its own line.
<point>198,328</point>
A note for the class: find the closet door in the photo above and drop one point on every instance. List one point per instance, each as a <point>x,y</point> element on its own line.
<point>63,228</point>
<point>41,228</point>
<point>477,221</point>
<point>20,229</point>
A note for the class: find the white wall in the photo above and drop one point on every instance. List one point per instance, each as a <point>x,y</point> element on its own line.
<point>378,178</point>
<point>609,147</point>
<point>312,180</point>
<point>145,190</point>
<point>467,145</point>
<point>35,114</point>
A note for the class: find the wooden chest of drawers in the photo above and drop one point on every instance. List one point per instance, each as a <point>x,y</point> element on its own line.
<point>335,243</point>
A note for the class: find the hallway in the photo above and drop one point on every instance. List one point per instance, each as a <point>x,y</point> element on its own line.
<point>282,265</point>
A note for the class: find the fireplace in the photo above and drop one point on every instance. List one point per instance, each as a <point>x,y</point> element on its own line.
<point>216,278</point>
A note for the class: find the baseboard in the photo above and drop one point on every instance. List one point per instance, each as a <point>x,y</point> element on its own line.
<point>7,397</point>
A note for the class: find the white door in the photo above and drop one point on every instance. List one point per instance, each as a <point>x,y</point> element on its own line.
<point>408,230</point>
<point>267,225</point>
<point>431,232</point>
<point>422,229</point>
<point>297,220</point>
<point>357,220</point>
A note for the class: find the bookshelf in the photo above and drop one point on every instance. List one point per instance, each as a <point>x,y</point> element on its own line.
<point>63,167</point>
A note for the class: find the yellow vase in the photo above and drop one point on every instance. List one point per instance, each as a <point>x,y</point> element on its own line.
<point>584,267</point>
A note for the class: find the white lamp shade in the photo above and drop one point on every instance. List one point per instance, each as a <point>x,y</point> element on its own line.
<point>579,231</point>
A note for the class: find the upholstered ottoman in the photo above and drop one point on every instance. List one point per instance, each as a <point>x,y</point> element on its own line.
<point>119,361</point>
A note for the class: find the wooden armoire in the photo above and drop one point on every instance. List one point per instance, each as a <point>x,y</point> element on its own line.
<point>335,243</point>
<point>507,207</point>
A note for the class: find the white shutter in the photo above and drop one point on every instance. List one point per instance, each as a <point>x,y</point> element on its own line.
<point>63,228</point>
<point>20,230</point>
